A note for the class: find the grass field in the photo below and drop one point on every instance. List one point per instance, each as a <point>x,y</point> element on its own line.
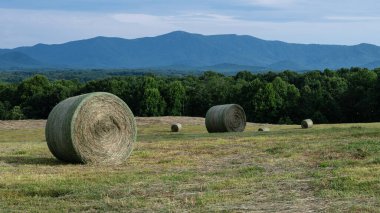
<point>329,168</point>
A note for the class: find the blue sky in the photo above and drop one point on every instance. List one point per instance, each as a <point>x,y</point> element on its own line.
<point>26,22</point>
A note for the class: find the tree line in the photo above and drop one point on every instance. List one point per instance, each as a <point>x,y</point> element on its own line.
<point>344,95</point>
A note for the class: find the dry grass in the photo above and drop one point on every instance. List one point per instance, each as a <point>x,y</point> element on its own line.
<point>331,168</point>
<point>23,124</point>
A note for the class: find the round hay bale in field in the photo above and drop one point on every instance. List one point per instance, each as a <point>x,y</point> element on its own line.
<point>225,118</point>
<point>95,128</point>
<point>176,127</point>
<point>308,123</point>
<point>264,129</point>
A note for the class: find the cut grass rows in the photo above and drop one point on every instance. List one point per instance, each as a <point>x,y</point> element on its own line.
<point>331,168</point>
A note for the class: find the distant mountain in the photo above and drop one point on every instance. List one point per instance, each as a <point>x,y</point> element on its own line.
<point>193,52</point>
<point>2,51</point>
<point>225,67</point>
<point>372,65</point>
<point>290,65</point>
<point>11,59</point>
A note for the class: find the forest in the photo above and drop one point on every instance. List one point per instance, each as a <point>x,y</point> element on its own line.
<point>329,96</point>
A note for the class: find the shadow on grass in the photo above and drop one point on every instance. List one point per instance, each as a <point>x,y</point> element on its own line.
<point>27,160</point>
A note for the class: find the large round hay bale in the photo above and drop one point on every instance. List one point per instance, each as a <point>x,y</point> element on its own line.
<point>176,127</point>
<point>264,129</point>
<point>307,123</point>
<point>225,118</point>
<point>96,128</point>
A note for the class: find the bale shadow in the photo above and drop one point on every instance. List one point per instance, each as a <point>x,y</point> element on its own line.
<point>27,160</point>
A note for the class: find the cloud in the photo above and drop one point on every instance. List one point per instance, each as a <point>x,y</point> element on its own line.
<point>140,19</point>
<point>271,3</point>
<point>29,27</point>
<point>353,18</point>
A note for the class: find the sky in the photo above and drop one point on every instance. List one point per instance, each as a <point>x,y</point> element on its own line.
<point>347,22</point>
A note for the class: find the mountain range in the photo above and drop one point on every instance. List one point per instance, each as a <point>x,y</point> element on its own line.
<point>188,51</point>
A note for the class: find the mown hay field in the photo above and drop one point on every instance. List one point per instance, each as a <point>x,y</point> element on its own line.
<point>330,168</point>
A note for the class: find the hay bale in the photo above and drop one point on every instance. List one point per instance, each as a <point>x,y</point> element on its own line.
<point>225,118</point>
<point>176,127</point>
<point>96,128</point>
<point>264,129</point>
<point>307,123</point>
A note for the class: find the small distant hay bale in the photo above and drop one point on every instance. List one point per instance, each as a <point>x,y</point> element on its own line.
<point>176,127</point>
<point>264,129</point>
<point>225,118</point>
<point>95,128</point>
<point>307,123</point>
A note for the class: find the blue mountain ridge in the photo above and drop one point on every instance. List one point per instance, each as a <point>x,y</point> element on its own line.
<point>14,59</point>
<point>188,50</point>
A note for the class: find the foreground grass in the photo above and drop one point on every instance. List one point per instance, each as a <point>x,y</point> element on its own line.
<point>331,168</point>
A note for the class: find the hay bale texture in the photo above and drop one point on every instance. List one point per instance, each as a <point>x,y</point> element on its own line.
<point>264,129</point>
<point>307,123</point>
<point>176,127</point>
<point>225,118</point>
<point>96,128</point>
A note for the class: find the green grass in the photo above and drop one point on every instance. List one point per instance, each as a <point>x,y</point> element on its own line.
<point>330,168</point>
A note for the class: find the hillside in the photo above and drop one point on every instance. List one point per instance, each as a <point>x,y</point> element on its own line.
<point>10,59</point>
<point>186,50</point>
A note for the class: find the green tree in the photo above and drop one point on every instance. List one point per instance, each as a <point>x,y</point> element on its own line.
<point>37,84</point>
<point>245,75</point>
<point>8,93</point>
<point>265,104</point>
<point>4,108</point>
<point>175,98</point>
<point>152,104</point>
<point>358,98</point>
<point>247,99</point>
<point>34,95</point>
<point>16,113</point>
<point>289,112</point>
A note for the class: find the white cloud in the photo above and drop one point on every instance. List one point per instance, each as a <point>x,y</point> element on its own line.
<point>29,27</point>
<point>137,18</point>
<point>271,3</point>
<point>353,18</point>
